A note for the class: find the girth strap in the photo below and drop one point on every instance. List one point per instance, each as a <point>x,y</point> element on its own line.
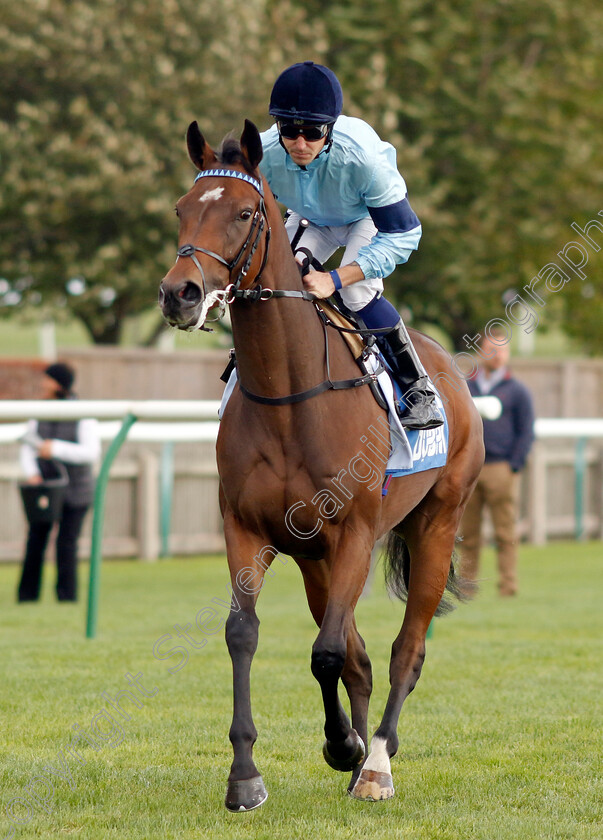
<point>300,396</point>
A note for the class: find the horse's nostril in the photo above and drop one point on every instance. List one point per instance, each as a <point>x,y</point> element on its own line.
<point>161,296</point>
<point>190,293</point>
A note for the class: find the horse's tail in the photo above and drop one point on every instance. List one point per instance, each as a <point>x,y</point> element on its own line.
<point>397,575</point>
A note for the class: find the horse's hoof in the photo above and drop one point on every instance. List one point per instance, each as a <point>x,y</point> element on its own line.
<point>245,794</point>
<point>344,755</point>
<point>373,786</point>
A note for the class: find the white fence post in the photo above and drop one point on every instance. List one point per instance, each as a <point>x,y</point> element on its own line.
<point>148,505</point>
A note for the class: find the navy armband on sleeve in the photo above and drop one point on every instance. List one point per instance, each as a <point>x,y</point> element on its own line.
<point>394,218</point>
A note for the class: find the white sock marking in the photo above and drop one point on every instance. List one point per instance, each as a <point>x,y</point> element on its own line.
<point>378,759</point>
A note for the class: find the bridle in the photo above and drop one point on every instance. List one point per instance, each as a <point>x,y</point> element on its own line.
<point>259,223</point>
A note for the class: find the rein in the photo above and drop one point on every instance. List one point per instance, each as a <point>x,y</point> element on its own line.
<point>327,384</point>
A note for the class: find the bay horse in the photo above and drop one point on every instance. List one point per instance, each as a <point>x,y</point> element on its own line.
<point>294,478</point>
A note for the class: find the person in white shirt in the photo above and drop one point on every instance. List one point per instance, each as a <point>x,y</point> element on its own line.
<point>76,445</point>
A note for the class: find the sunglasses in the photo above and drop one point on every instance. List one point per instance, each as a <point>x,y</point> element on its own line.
<point>310,132</point>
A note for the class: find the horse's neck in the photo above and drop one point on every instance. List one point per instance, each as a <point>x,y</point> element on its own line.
<point>279,343</point>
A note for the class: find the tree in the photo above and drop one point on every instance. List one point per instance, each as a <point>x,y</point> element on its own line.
<point>493,108</point>
<point>94,104</point>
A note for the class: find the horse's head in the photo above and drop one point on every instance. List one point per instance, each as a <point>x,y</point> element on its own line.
<point>223,239</point>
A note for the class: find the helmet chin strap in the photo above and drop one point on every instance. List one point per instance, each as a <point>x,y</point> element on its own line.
<point>329,143</point>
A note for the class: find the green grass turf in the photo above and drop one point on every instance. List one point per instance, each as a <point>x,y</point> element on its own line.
<point>501,738</point>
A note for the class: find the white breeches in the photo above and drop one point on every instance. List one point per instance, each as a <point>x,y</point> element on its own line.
<point>322,242</point>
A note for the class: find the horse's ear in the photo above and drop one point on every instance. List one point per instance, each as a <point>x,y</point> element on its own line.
<point>200,153</point>
<point>251,144</point>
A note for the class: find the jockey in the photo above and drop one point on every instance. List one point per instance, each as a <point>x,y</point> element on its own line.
<point>338,174</point>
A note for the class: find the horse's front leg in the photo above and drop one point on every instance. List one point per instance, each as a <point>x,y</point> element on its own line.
<point>343,749</point>
<point>356,673</point>
<point>245,785</point>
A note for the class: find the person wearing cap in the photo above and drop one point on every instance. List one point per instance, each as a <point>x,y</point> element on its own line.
<point>76,445</point>
<point>337,173</point>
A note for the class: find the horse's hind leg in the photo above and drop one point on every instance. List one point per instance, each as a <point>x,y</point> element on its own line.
<point>431,543</point>
<point>356,674</point>
<point>357,679</point>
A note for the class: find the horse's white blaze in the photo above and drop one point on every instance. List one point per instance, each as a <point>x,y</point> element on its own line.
<point>212,195</point>
<point>378,759</point>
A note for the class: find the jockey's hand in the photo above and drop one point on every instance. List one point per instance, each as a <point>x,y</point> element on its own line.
<point>319,283</point>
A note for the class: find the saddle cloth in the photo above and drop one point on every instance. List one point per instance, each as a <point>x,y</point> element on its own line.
<point>414,450</point>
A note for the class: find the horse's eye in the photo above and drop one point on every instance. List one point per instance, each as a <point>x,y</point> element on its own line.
<point>244,215</point>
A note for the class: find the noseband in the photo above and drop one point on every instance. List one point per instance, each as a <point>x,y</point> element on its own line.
<point>250,245</point>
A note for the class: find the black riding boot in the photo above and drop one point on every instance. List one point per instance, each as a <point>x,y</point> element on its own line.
<point>417,409</point>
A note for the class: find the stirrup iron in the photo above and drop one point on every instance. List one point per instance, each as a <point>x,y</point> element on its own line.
<point>418,408</point>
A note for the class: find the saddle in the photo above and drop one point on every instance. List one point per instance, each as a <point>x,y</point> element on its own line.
<point>335,316</point>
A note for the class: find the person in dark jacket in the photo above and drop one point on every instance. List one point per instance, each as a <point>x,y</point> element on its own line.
<point>507,441</point>
<point>75,444</point>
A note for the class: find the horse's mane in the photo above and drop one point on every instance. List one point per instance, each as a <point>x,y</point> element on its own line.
<point>230,152</point>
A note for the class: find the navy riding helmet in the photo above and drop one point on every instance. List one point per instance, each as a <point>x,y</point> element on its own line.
<point>306,93</point>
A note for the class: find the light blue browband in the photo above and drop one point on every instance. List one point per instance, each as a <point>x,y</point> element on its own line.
<point>231,173</point>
